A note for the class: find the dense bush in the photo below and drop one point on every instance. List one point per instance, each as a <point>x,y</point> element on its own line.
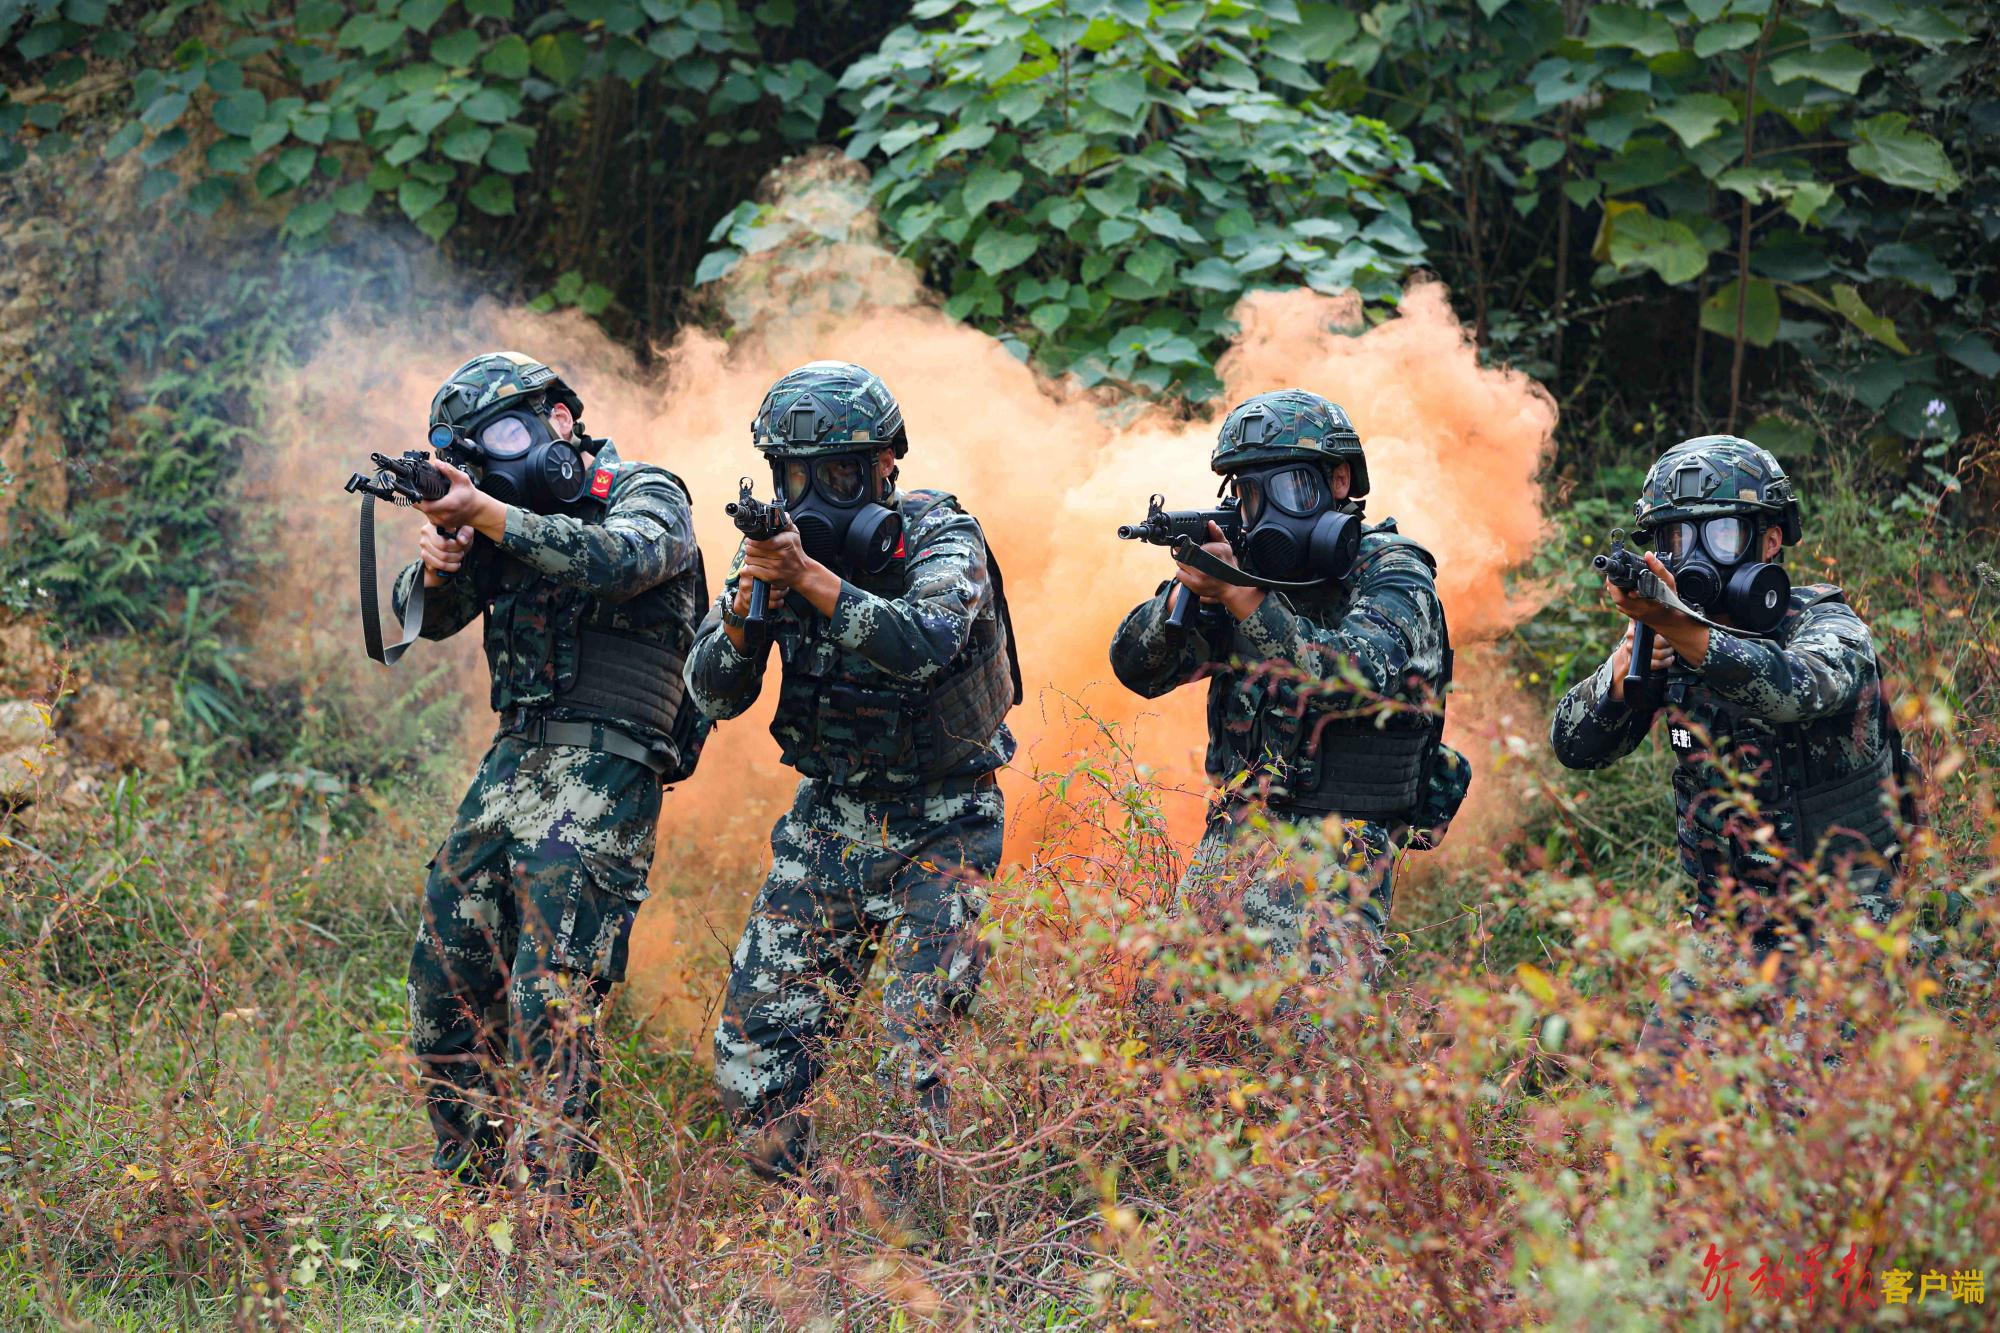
<point>583,138</point>
<point>1687,201</point>
<point>1103,180</point>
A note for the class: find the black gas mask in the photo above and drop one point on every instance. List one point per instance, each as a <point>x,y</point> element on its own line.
<point>1716,572</point>
<point>1293,528</point>
<point>516,458</point>
<point>830,498</point>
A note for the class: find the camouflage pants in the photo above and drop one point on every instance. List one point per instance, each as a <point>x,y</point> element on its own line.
<point>1332,902</point>
<point>852,878</point>
<point>527,914</point>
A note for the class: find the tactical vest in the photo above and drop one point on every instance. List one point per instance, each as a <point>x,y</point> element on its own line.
<point>556,651</point>
<point>841,721</point>
<point>1306,749</point>
<point>1835,809</point>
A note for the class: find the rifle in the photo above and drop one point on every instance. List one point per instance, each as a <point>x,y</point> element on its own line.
<point>759,522</point>
<point>402,482</point>
<point>1626,570</point>
<point>1173,527</point>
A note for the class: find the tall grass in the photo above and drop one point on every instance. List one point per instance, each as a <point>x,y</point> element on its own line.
<point>209,1121</point>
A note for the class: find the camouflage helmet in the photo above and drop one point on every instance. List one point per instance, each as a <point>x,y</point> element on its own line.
<point>1717,474</point>
<point>1290,423</point>
<point>828,407</point>
<point>485,382</point>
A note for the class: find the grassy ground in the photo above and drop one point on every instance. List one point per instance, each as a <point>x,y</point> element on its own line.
<point>208,1121</point>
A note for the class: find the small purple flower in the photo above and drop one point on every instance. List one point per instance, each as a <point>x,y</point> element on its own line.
<point>1934,408</point>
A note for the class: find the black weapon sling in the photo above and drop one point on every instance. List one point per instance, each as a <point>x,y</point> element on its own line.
<point>371,614</point>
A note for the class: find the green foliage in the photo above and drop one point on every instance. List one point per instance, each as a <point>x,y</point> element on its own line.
<point>432,111</point>
<point>149,396</point>
<point>1103,180</point>
<point>1820,178</point>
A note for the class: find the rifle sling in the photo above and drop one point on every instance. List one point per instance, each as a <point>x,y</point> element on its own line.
<point>371,615</point>
<point>1189,552</point>
<point>1651,587</point>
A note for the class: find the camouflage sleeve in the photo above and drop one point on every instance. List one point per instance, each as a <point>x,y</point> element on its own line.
<point>1394,627</point>
<point>449,607</point>
<point>1821,669</point>
<point>1143,656</point>
<point>722,681</point>
<point>1591,729</point>
<point>914,637</point>
<point>646,538</point>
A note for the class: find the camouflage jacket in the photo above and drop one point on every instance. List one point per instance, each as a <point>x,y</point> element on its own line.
<point>623,570</point>
<point>1790,714</point>
<point>894,643</point>
<point>1346,647</point>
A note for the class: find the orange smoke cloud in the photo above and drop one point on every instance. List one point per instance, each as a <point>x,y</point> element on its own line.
<point>1049,470</point>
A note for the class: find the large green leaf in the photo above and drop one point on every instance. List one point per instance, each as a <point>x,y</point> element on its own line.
<point>1122,92</point>
<point>986,187</point>
<point>1712,39</point>
<point>1915,265</point>
<point>1760,312</point>
<point>417,198</point>
<point>1696,117</point>
<point>1838,66</point>
<point>467,145</point>
<point>1892,152</point>
<point>508,59</point>
<point>996,251</point>
<point>557,56</point>
<point>239,113</point>
<point>1973,351</point>
<point>1641,30</point>
<point>492,195</point>
<point>457,50</point>
<point>1881,328</point>
<point>1637,239</point>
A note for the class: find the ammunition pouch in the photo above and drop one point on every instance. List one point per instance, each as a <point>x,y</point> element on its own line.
<point>897,737</point>
<point>1849,816</point>
<point>625,676</point>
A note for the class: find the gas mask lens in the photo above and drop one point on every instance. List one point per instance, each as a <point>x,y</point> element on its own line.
<point>840,480</point>
<point>505,437</point>
<point>1296,491</point>
<point>1726,538</point>
<point>1249,493</point>
<point>798,479</point>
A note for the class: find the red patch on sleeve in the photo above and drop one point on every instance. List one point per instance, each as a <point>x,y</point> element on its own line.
<point>902,551</point>
<point>600,485</point>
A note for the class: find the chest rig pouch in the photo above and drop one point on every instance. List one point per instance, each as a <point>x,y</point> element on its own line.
<point>1836,811</point>
<point>843,722</point>
<point>1304,750</point>
<point>556,651</point>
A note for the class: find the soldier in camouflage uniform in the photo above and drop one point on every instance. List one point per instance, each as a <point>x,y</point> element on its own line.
<point>1324,703</point>
<point>895,688</point>
<point>1799,713</point>
<point>530,900</point>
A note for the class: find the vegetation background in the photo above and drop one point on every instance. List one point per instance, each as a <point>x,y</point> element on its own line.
<point>1771,216</point>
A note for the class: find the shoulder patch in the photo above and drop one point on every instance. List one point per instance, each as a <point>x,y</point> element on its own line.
<point>600,484</point>
<point>629,473</point>
<point>1377,543</point>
